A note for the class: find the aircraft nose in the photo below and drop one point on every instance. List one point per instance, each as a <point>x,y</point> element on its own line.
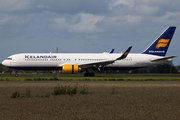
<point>5,63</point>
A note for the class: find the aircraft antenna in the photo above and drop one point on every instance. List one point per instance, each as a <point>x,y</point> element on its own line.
<point>57,50</point>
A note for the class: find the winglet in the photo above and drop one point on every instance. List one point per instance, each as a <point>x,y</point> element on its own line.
<point>124,55</point>
<point>111,51</point>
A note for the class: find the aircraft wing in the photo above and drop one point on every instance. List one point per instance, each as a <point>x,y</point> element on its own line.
<point>104,62</point>
<point>164,58</point>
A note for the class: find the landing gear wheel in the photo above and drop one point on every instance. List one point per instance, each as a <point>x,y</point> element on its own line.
<point>89,74</point>
<point>16,75</point>
<point>86,74</point>
<point>16,71</point>
<point>92,74</point>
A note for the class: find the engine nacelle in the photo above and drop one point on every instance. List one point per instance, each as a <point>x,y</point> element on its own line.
<point>70,69</point>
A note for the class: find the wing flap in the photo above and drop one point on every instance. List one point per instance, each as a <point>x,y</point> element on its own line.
<point>98,63</point>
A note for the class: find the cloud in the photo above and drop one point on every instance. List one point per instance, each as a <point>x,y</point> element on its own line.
<point>115,3</point>
<point>142,7</point>
<point>13,20</point>
<point>55,6</point>
<point>14,5</point>
<point>87,24</point>
<point>5,19</point>
<point>120,23</point>
<point>146,10</point>
<point>42,6</point>
<point>170,18</point>
<point>60,23</point>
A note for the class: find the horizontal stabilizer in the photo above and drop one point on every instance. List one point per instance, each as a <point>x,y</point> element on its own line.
<point>162,59</point>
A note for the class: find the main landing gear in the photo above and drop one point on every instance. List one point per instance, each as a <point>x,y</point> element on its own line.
<point>89,74</point>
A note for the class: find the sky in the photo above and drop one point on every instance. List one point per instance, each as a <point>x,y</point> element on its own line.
<point>86,26</point>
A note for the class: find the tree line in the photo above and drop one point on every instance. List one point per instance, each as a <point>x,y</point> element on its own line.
<point>162,68</point>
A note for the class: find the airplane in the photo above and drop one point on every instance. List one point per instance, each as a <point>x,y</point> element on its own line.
<point>72,63</point>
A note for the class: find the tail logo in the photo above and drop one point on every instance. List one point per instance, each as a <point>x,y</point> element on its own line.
<point>162,43</point>
<point>126,53</point>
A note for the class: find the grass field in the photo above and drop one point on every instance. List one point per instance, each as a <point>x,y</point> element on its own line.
<point>105,100</point>
<point>99,77</point>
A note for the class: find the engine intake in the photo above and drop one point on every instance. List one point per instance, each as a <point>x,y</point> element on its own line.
<point>70,69</point>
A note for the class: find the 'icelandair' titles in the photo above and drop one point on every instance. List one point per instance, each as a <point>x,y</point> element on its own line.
<point>39,56</point>
<point>152,51</point>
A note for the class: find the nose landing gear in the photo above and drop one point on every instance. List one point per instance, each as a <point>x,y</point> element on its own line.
<point>16,71</point>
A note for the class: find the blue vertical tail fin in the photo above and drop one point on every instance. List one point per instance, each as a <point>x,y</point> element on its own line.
<point>160,45</point>
<point>111,51</point>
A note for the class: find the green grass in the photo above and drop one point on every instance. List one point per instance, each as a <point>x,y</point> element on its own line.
<point>70,90</point>
<point>17,94</point>
<point>63,90</point>
<point>84,90</point>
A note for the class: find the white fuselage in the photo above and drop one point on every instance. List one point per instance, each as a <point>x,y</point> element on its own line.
<point>54,61</point>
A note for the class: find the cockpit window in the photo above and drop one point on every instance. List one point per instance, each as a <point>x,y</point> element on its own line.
<point>8,58</point>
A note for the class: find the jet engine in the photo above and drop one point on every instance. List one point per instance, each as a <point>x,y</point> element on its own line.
<point>70,69</point>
